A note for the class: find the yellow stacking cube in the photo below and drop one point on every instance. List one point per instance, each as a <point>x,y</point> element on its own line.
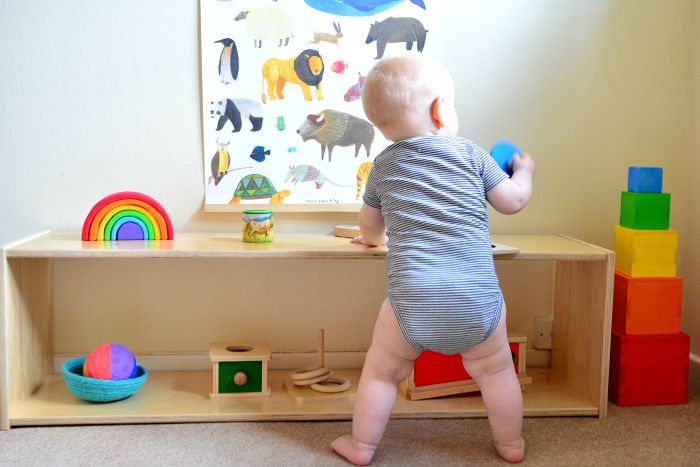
<point>646,253</point>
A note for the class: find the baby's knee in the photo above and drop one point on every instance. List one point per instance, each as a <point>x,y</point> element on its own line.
<point>386,365</point>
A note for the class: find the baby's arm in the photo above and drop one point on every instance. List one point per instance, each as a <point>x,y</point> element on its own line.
<point>511,195</point>
<point>372,230</point>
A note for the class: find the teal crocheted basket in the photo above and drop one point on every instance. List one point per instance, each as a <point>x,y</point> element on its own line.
<point>100,390</point>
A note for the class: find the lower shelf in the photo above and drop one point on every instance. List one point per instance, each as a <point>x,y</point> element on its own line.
<point>183,397</point>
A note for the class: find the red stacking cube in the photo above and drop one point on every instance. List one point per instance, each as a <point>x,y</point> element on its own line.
<point>647,305</point>
<point>649,369</point>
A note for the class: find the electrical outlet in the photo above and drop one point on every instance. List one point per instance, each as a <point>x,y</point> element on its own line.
<point>543,332</point>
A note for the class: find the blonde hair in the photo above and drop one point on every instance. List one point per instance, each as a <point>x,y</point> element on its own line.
<point>403,85</point>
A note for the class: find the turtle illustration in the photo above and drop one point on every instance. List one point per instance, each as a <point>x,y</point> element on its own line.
<point>256,186</point>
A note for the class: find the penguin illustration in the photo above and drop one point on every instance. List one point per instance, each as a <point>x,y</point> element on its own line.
<point>228,62</point>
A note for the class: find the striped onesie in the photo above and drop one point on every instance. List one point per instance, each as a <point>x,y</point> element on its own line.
<point>443,287</point>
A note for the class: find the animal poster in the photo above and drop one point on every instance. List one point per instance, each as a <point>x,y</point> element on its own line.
<point>281,82</point>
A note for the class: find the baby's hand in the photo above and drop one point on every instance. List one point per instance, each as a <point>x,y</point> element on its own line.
<point>357,240</point>
<point>523,161</point>
<point>361,241</point>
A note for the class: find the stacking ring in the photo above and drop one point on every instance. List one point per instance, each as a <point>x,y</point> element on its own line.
<point>332,384</point>
<point>309,376</point>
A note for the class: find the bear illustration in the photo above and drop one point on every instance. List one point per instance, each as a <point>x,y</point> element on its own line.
<point>234,111</point>
<point>392,30</point>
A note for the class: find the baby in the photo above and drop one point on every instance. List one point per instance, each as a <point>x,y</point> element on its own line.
<point>426,198</point>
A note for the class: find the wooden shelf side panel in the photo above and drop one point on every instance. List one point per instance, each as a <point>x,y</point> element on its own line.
<point>28,317</point>
<point>4,374</point>
<point>582,321</point>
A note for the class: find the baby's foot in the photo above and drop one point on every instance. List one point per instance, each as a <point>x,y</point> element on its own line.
<point>356,452</point>
<point>512,452</point>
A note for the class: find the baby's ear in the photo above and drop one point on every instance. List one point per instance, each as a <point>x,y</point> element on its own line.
<point>436,109</point>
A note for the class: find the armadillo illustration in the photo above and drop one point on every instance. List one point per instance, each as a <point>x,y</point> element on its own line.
<point>308,173</point>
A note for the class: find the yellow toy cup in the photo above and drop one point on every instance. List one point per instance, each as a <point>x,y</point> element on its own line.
<point>257,226</point>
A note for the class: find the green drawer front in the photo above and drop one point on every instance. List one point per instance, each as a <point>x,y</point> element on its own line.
<point>227,371</point>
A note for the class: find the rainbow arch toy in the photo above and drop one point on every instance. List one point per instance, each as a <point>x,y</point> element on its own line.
<point>127,215</point>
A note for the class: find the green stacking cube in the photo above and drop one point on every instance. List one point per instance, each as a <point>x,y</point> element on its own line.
<point>645,211</point>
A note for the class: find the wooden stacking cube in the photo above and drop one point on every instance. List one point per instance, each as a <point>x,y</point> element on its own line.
<point>239,369</point>
<point>649,370</point>
<point>436,375</point>
<point>645,211</point>
<point>647,305</point>
<point>646,253</point>
<point>644,179</point>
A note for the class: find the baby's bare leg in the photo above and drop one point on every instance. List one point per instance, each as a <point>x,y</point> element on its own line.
<point>491,365</point>
<point>389,361</point>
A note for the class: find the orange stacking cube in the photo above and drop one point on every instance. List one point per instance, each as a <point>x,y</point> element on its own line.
<point>647,305</point>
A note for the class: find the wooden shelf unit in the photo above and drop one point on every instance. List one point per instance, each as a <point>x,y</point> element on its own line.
<point>30,394</point>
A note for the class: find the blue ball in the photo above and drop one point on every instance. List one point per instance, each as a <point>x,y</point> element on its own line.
<point>503,153</point>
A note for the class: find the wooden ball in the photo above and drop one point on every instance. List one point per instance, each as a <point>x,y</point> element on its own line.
<point>240,378</point>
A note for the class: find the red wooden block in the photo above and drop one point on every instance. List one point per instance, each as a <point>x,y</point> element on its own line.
<point>647,305</point>
<point>436,368</point>
<point>649,369</point>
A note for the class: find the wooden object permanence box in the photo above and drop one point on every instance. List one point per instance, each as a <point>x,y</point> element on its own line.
<point>239,369</point>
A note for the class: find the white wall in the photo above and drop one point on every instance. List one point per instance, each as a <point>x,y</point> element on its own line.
<point>99,97</point>
<point>689,248</point>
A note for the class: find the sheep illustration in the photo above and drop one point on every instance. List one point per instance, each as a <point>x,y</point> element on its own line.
<point>267,23</point>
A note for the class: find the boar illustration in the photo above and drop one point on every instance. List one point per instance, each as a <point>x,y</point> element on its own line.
<point>354,92</point>
<point>332,128</point>
<point>393,29</point>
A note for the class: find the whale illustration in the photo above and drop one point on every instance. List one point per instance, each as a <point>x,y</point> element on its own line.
<point>357,7</point>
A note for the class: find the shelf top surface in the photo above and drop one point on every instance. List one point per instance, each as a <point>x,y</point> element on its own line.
<point>285,245</point>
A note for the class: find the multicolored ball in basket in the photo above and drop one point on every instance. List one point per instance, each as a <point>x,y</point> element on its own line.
<point>111,362</point>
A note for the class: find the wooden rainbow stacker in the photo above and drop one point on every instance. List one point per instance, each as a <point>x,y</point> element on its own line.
<point>127,215</point>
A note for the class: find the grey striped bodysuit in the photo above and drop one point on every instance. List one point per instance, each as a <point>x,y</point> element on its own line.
<point>443,287</point>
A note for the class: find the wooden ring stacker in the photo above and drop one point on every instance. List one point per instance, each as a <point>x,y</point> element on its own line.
<point>332,384</point>
<point>316,377</point>
<point>311,375</point>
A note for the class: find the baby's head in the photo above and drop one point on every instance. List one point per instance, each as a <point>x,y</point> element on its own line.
<point>402,94</point>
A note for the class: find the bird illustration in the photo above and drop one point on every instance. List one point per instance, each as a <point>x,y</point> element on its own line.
<point>228,61</point>
<point>220,163</point>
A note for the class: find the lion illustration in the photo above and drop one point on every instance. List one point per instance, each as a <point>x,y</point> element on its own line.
<point>306,70</point>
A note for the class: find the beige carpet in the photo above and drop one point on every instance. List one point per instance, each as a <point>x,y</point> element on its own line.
<point>635,436</point>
